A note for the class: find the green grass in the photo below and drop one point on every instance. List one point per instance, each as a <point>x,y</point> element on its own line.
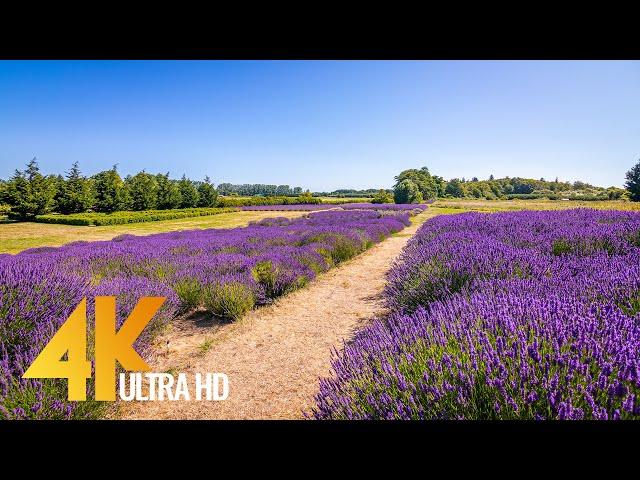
<point>205,346</point>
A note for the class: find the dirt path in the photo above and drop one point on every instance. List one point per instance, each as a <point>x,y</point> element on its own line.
<point>274,356</point>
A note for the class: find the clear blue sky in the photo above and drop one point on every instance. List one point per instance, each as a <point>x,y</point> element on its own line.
<point>323,125</point>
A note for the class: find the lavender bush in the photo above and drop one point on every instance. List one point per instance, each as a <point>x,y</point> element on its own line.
<point>227,272</point>
<point>527,315</point>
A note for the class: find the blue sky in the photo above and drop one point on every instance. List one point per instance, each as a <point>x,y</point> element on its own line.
<point>323,125</point>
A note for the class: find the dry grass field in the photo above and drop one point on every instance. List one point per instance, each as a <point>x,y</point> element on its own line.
<point>18,236</point>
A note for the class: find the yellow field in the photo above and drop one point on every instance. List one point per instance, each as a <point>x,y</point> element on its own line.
<point>15,237</point>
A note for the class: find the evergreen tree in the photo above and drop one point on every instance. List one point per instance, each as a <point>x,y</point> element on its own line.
<point>168,192</point>
<point>108,191</point>
<point>207,194</point>
<point>143,190</point>
<point>633,182</point>
<point>188,193</point>
<point>75,195</point>
<point>29,193</point>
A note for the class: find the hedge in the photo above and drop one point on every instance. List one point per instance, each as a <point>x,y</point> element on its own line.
<point>257,201</point>
<point>118,218</point>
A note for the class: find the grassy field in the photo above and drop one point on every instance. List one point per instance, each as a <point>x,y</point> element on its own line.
<point>18,236</point>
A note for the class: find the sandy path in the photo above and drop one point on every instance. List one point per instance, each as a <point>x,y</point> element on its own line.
<point>275,354</point>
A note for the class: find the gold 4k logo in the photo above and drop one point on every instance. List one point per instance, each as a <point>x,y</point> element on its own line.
<point>110,346</point>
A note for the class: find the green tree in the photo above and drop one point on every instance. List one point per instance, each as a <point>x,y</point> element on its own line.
<point>614,193</point>
<point>382,197</point>
<point>168,192</point>
<point>29,193</point>
<point>283,190</point>
<point>454,188</point>
<point>633,182</point>
<point>109,191</point>
<point>4,192</point>
<point>75,195</point>
<point>441,184</point>
<point>407,192</point>
<point>188,193</point>
<point>207,194</point>
<point>421,179</point>
<point>143,190</point>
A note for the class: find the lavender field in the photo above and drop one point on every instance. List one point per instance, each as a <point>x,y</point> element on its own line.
<point>226,272</point>
<point>524,315</point>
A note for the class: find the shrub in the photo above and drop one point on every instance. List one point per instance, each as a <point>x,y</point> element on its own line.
<point>190,293</point>
<point>257,201</point>
<point>382,197</point>
<point>343,249</point>
<point>118,218</point>
<point>229,300</point>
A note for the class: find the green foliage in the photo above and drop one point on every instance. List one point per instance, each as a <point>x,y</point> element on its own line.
<point>633,182</point>
<point>561,247</point>
<point>343,249</point>
<point>454,188</point>
<point>188,193</point>
<point>255,201</point>
<point>109,191</point>
<point>407,191</point>
<point>250,190</point>
<point>169,196</point>
<point>230,300</point>
<point>264,273</point>
<point>207,195</point>
<point>143,190</point>
<point>29,193</point>
<point>306,197</point>
<point>350,193</point>
<point>528,189</point>
<point>74,194</point>
<point>408,181</point>
<point>190,293</point>
<point>118,218</point>
<point>382,197</point>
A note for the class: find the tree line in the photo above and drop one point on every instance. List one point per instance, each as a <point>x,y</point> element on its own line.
<point>418,185</point>
<point>30,193</point>
<point>250,190</point>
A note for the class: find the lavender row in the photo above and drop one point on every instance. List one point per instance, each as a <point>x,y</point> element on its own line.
<point>226,272</point>
<point>527,315</point>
